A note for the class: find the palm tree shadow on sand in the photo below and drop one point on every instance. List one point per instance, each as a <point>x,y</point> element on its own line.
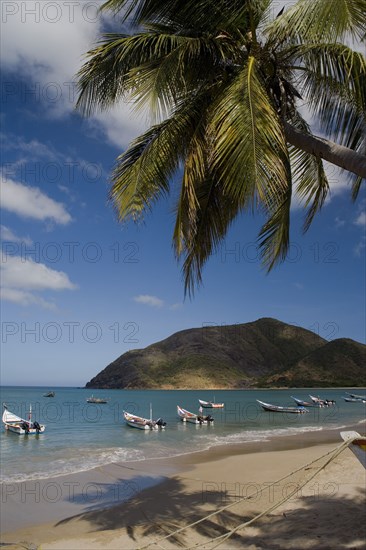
<point>150,515</point>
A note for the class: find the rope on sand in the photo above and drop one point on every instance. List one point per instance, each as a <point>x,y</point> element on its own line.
<point>220,539</point>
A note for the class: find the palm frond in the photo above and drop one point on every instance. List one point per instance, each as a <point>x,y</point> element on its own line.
<point>205,15</point>
<point>250,153</point>
<point>151,68</point>
<point>203,230</point>
<point>142,174</point>
<point>274,236</point>
<point>313,20</point>
<point>335,84</point>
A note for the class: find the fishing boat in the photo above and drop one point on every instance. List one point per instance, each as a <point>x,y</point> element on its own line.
<point>358,445</point>
<point>210,404</point>
<point>303,403</point>
<point>276,408</point>
<point>354,400</point>
<point>98,400</point>
<point>20,426</point>
<point>187,416</point>
<point>322,402</point>
<point>357,397</point>
<point>143,423</point>
<point>49,394</point>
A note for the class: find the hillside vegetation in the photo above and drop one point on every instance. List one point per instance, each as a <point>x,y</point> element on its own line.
<point>264,353</point>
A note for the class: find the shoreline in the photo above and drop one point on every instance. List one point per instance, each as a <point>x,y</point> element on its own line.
<point>47,511</point>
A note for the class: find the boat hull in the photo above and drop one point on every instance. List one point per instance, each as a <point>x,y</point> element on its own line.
<point>192,418</point>
<point>17,429</point>
<point>210,405</point>
<point>16,424</point>
<point>143,423</point>
<point>358,445</point>
<point>274,408</point>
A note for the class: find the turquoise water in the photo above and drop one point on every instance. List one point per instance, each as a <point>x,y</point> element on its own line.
<point>80,436</point>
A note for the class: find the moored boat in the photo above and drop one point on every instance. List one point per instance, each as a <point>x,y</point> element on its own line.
<point>20,426</point>
<point>322,402</point>
<point>354,400</point>
<point>277,408</point>
<point>93,399</point>
<point>358,445</point>
<point>210,404</point>
<point>143,423</point>
<point>302,403</point>
<point>49,394</point>
<point>187,416</point>
<point>357,397</point>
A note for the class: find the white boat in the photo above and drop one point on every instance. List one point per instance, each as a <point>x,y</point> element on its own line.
<point>357,397</point>
<point>210,404</point>
<point>322,402</point>
<point>354,400</point>
<point>276,408</point>
<point>358,445</point>
<point>99,400</point>
<point>20,426</point>
<point>187,416</point>
<point>143,423</point>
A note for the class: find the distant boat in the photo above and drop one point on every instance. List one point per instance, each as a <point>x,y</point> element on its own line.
<point>354,400</point>
<point>322,402</point>
<point>354,396</point>
<point>187,416</point>
<point>98,400</point>
<point>276,408</point>
<point>303,403</point>
<point>49,394</point>
<point>20,426</point>
<point>358,445</point>
<point>211,404</point>
<point>143,423</point>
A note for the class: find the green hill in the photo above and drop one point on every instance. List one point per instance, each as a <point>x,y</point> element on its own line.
<point>264,353</point>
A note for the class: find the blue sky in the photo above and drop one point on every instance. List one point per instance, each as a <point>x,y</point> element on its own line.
<point>79,289</point>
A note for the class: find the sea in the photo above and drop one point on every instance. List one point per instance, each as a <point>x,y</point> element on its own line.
<point>80,436</point>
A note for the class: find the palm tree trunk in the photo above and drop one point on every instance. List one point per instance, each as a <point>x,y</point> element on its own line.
<point>320,147</point>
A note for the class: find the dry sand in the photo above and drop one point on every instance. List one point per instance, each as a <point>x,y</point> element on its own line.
<point>127,506</point>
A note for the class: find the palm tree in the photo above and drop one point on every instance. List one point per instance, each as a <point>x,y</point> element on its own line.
<point>226,84</point>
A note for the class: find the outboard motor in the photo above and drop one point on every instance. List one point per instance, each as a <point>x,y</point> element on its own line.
<point>37,426</point>
<point>209,418</point>
<point>160,422</point>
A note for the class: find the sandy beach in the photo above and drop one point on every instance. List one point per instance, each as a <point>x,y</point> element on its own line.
<point>134,505</point>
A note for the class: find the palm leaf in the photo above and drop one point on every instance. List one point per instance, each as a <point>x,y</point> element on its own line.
<point>205,15</point>
<point>250,153</point>
<point>142,174</point>
<point>335,83</point>
<point>152,68</point>
<point>309,21</point>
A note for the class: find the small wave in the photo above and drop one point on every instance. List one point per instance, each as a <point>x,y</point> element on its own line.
<point>75,465</point>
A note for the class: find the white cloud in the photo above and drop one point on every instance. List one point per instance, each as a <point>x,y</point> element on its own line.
<point>152,301</point>
<point>176,306</point>
<point>45,43</point>
<point>8,235</point>
<point>359,248</point>
<point>31,202</point>
<point>361,219</point>
<point>339,222</point>
<point>26,274</point>
<point>21,277</point>
<point>23,298</point>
